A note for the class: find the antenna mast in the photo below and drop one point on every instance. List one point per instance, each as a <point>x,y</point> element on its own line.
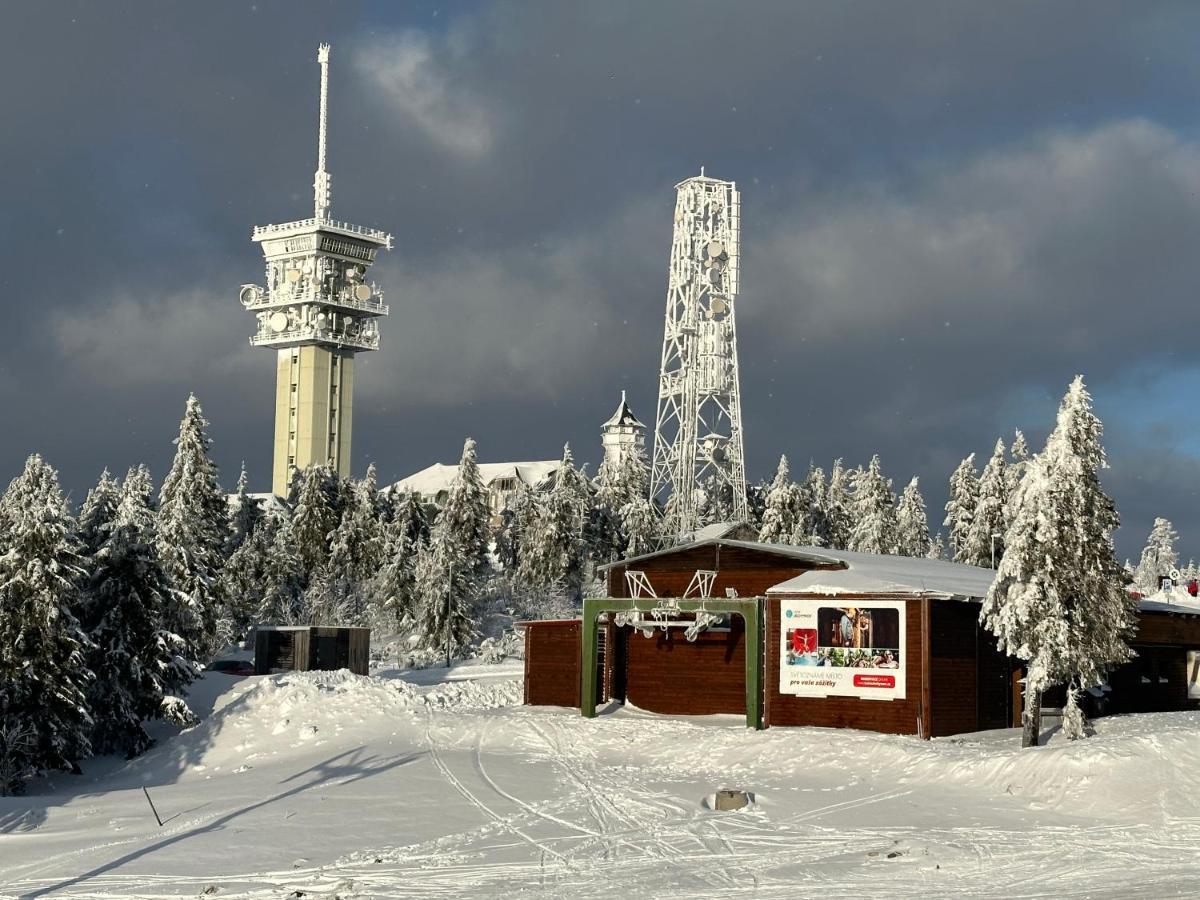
<point>322,184</point>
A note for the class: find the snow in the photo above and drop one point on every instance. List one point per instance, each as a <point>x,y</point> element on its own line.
<point>1176,600</point>
<point>435,783</point>
<point>430,481</point>
<point>868,573</point>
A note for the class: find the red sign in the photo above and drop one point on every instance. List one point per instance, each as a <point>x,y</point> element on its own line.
<point>875,681</point>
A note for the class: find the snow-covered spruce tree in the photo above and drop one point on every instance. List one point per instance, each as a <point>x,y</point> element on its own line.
<point>812,526</point>
<point>1058,601</point>
<point>410,516</point>
<point>356,554</point>
<point>874,512</point>
<point>617,484</point>
<point>285,581</point>
<point>394,590</point>
<point>912,525</point>
<point>514,523</point>
<point>455,563</point>
<point>97,512</point>
<point>960,508</point>
<point>839,507</point>
<point>937,547</point>
<point>245,514</point>
<point>192,522</point>
<point>247,576</point>
<point>640,524</point>
<point>43,664</point>
<point>315,516</point>
<point>779,517</point>
<point>1158,557</point>
<point>140,669</point>
<point>553,555</point>
<point>986,530</point>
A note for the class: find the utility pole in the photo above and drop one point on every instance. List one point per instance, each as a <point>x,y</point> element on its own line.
<point>449,589</point>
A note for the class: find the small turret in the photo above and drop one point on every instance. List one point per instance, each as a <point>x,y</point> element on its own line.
<point>622,434</point>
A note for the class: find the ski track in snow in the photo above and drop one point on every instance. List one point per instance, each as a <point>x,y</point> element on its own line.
<point>518,801</point>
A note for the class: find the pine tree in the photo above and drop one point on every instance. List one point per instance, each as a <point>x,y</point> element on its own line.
<point>1158,557</point>
<point>453,566</point>
<point>514,524</point>
<point>192,521</point>
<point>137,665</point>
<point>247,577</point>
<point>410,517</point>
<point>97,512</point>
<point>286,579</point>
<point>1058,602</point>
<point>937,547</point>
<point>244,515</point>
<point>640,524</point>
<point>618,483</point>
<point>960,508</point>
<point>394,590</point>
<point>43,665</point>
<point>554,552</point>
<point>875,512</point>
<point>356,554</point>
<point>812,524</point>
<point>985,535</point>
<point>912,525</point>
<point>839,507</point>
<point>315,516</point>
<point>779,517</point>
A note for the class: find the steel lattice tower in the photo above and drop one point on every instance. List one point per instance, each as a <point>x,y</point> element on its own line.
<point>317,311</point>
<point>698,429</point>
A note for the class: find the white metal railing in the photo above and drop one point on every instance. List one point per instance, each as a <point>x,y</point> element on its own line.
<point>372,306</point>
<point>373,234</point>
<point>267,338</point>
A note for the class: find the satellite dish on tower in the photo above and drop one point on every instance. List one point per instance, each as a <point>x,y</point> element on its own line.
<point>715,249</point>
<point>279,321</point>
<point>362,292</point>
<point>250,294</point>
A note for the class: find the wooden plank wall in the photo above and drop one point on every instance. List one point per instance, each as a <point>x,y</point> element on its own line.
<point>888,716</point>
<point>953,671</point>
<point>666,673</point>
<point>552,660</point>
<point>749,572</point>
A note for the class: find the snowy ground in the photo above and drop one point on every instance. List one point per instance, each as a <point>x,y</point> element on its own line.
<point>330,785</point>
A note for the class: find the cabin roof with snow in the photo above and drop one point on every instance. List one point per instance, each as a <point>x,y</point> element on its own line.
<point>432,480</point>
<point>870,573</point>
<point>623,416</point>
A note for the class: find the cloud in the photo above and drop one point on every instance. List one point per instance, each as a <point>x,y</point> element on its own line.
<point>415,73</point>
<point>130,341</point>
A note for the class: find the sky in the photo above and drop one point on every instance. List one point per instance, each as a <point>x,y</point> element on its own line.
<point>948,210</point>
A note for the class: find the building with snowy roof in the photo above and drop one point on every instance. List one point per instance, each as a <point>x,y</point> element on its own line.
<point>502,480</point>
<point>810,636</point>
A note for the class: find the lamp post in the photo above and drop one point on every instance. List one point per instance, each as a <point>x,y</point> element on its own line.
<point>449,589</point>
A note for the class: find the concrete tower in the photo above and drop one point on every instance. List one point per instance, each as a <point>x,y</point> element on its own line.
<point>698,429</point>
<point>316,311</point>
<point>622,435</point>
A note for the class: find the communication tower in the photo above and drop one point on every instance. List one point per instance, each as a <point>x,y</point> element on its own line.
<point>317,311</point>
<point>698,429</point>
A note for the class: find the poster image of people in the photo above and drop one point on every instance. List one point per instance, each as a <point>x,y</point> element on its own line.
<point>855,649</point>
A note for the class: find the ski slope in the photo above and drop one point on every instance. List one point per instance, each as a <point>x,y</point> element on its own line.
<point>327,785</point>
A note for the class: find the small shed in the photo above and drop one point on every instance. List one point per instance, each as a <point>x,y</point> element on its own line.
<point>304,648</point>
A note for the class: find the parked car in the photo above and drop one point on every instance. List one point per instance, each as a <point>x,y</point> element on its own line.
<point>231,667</point>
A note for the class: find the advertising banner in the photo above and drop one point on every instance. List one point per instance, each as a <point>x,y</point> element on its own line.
<point>853,649</point>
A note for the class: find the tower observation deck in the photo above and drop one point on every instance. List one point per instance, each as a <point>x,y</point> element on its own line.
<point>317,310</point>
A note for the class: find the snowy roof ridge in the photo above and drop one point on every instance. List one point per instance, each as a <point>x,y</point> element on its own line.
<point>877,573</point>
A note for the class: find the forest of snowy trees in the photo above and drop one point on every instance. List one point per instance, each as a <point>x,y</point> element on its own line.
<point>108,614</point>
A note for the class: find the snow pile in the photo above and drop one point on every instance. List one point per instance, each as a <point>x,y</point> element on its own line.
<point>475,695</point>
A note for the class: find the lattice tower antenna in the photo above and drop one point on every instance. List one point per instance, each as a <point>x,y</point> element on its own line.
<point>698,429</point>
<point>322,183</point>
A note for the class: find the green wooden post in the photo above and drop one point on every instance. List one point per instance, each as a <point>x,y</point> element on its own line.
<point>592,607</point>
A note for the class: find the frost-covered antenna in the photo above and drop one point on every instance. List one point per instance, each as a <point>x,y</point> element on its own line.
<point>322,184</point>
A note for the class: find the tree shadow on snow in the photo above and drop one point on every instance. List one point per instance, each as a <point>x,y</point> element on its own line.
<point>349,766</point>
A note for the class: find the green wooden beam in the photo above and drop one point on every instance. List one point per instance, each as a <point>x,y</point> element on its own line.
<point>751,611</point>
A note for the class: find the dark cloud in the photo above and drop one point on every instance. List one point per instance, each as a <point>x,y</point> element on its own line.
<point>949,209</point>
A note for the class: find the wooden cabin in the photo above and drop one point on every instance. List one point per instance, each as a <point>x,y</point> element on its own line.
<point>848,640</point>
<point>305,648</point>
